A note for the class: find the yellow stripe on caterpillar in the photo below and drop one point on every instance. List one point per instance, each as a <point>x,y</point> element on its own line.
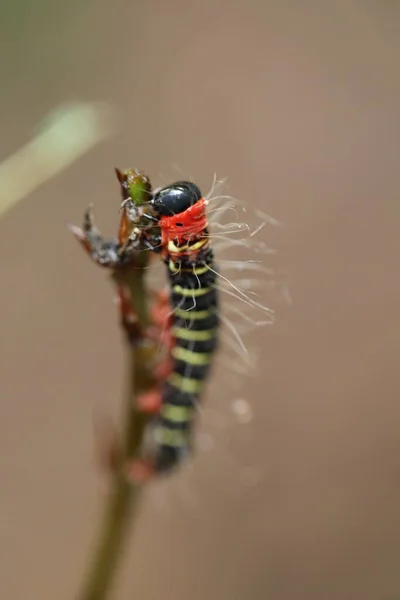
<point>199,270</point>
<point>195,270</point>
<point>185,384</point>
<point>193,334</point>
<point>198,245</point>
<point>177,414</point>
<point>173,249</point>
<point>190,293</point>
<point>193,314</point>
<point>191,357</point>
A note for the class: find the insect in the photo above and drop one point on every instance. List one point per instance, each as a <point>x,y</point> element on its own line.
<point>185,246</point>
<point>172,222</point>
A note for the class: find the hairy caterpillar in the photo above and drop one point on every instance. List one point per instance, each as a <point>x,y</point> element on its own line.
<point>185,246</point>
<point>172,222</point>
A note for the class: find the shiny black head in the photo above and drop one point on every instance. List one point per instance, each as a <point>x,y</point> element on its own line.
<point>176,198</point>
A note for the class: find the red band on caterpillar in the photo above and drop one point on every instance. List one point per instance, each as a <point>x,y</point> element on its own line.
<point>184,226</point>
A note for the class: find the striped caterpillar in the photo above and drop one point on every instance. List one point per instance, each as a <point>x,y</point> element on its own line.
<point>172,222</point>
<point>185,246</point>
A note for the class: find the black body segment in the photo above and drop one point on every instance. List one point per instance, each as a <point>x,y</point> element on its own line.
<point>194,300</point>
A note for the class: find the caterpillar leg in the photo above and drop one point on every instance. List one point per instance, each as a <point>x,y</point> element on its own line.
<point>150,402</point>
<point>130,323</point>
<point>142,470</point>
<point>165,365</point>
<point>160,333</point>
<point>161,316</point>
<point>161,312</point>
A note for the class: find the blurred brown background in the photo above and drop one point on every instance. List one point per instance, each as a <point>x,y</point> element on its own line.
<point>297,103</point>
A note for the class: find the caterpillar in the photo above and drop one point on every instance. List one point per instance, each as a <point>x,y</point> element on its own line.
<point>172,222</point>
<point>185,246</point>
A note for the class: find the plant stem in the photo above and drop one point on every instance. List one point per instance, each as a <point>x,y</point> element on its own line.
<point>123,502</point>
<point>112,537</point>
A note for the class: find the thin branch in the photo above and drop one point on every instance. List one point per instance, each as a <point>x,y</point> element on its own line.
<point>123,501</point>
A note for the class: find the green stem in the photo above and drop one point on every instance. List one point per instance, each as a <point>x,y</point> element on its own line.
<point>123,501</point>
<point>114,530</point>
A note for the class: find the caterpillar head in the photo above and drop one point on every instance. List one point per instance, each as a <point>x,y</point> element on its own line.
<point>175,198</point>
